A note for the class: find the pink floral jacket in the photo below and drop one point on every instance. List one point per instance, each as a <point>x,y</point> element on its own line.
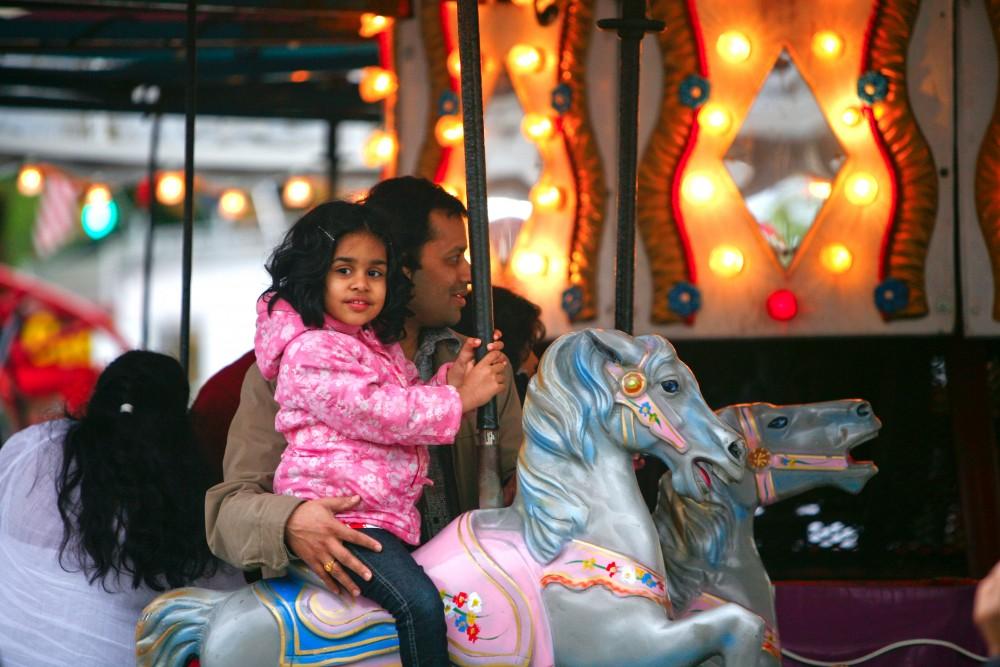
<point>355,417</point>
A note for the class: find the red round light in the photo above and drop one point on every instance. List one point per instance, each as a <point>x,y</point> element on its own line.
<point>782,305</point>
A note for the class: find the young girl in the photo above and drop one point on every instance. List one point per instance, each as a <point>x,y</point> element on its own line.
<point>356,418</point>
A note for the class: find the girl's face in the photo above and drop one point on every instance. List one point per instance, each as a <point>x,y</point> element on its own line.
<point>356,282</point>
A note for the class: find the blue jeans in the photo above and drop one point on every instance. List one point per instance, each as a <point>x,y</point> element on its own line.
<point>404,590</point>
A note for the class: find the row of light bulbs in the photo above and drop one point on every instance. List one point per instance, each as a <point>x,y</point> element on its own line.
<point>734,46</point>
<point>726,261</point>
<point>860,188</point>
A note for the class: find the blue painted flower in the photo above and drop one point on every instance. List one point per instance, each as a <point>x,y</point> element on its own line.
<point>562,97</point>
<point>694,90</point>
<point>892,295</point>
<point>572,301</point>
<point>684,299</point>
<point>873,87</point>
<point>448,103</point>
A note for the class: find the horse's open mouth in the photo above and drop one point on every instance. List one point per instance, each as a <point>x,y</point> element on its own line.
<point>703,477</point>
<point>857,441</point>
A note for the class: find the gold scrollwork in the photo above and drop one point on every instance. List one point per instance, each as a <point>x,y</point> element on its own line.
<point>912,162</point>
<point>988,175</point>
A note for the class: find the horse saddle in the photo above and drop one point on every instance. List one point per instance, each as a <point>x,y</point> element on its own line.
<point>489,590</point>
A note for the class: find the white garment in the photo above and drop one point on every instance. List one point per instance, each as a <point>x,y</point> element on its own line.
<point>48,616</point>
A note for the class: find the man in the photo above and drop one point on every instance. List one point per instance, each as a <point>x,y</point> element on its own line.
<point>250,527</point>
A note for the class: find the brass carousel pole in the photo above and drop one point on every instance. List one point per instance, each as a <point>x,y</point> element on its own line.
<point>490,493</point>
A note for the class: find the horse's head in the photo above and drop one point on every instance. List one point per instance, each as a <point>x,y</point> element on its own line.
<point>794,448</point>
<point>659,411</point>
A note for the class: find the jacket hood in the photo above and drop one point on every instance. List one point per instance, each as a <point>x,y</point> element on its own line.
<point>278,328</point>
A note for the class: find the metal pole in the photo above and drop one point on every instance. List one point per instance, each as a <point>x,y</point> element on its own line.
<point>147,251</point>
<point>490,493</point>
<point>190,103</point>
<point>631,27</point>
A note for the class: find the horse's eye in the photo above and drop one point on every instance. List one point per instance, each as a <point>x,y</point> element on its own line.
<point>670,386</point>
<point>778,422</point>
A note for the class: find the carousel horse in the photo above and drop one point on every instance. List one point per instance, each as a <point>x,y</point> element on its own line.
<point>570,574</point>
<point>708,547</point>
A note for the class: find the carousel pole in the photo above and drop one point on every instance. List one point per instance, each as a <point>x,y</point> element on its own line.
<point>631,27</point>
<point>147,250</point>
<point>190,101</point>
<point>490,493</point>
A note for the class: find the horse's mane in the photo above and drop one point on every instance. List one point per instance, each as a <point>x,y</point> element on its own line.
<point>695,538</point>
<point>568,402</point>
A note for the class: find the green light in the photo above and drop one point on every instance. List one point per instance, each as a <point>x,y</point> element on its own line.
<point>99,219</point>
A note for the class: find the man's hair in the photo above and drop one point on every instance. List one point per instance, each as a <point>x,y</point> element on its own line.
<point>407,202</point>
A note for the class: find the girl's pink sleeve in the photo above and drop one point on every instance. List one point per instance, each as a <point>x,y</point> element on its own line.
<point>326,379</point>
<point>441,377</point>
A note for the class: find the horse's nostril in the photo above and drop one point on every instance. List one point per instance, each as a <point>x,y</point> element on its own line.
<point>864,410</point>
<point>736,450</point>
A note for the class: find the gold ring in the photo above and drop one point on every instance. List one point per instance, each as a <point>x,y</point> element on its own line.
<point>328,566</point>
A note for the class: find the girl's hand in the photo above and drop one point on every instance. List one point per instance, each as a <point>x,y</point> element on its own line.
<point>466,358</point>
<point>484,381</point>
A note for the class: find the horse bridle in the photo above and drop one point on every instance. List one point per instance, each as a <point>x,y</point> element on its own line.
<point>633,394</point>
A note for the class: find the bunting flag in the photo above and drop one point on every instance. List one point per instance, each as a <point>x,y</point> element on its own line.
<point>57,214</point>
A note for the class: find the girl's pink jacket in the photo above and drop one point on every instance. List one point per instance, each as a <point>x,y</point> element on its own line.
<point>355,416</point>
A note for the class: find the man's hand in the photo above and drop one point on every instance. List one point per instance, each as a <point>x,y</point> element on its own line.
<point>986,610</point>
<point>315,535</point>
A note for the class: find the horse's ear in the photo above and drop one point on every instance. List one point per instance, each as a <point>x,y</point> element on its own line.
<point>618,347</point>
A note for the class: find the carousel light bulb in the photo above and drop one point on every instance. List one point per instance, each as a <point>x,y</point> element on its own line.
<point>862,189</point>
<point>377,84</point>
<point>455,64</point>
<point>525,59</point>
<point>851,116</point>
<point>714,119</point>
<point>820,189</point>
<point>522,3</point>
<point>827,44</point>
<point>698,188</point>
<point>537,127</point>
<point>99,219</point>
<point>454,190</point>
<point>232,204</point>
<point>836,258</point>
<point>98,193</point>
<point>297,193</point>
<point>170,189</point>
<point>528,265</point>
<point>373,24</point>
<point>30,181</point>
<point>545,197</point>
<point>782,305</point>
<point>733,46</point>
<point>725,261</point>
<point>380,149</point>
<point>448,130</point>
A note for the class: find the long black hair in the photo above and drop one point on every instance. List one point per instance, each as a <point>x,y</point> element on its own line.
<point>131,489</point>
<point>300,264</point>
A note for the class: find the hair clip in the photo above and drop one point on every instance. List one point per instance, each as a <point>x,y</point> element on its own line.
<point>328,235</point>
<point>125,407</point>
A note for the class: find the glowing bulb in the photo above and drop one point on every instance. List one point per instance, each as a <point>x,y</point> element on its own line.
<point>714,119</point>
<point>300,76</point>
<point>522,3</point>
<point>725,261</point>
<point>827,44</point>
<point>455,64</point>
<point>820,189</point>
<point>297,193</point>
<point>836,258</point>
<point>232,204</point>
<point>851,116</point>
<point>733,46</point>
<point>861,189</point>
<point>527,265</point>
<point>98,193</point>
<point>525,59</point>
<point>546,197</point>
<point>377,84</point>
<point>782,305</point>
<point>170,189</point>
<point>698,188</point>
<point>99,219</point>
<point>454,190</point>
<point>373,24</point>
<point>448,130</point>
<point>380,149</point>
<point>537,127</point>
<point>30,181</point>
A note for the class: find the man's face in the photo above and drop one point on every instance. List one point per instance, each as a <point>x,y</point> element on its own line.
<point>441,283</point>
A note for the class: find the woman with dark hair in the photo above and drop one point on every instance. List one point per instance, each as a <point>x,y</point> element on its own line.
<point>100,513</point>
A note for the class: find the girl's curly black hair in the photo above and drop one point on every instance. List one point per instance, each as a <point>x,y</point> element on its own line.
<point>131,488</point>
<point>299,265</point>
